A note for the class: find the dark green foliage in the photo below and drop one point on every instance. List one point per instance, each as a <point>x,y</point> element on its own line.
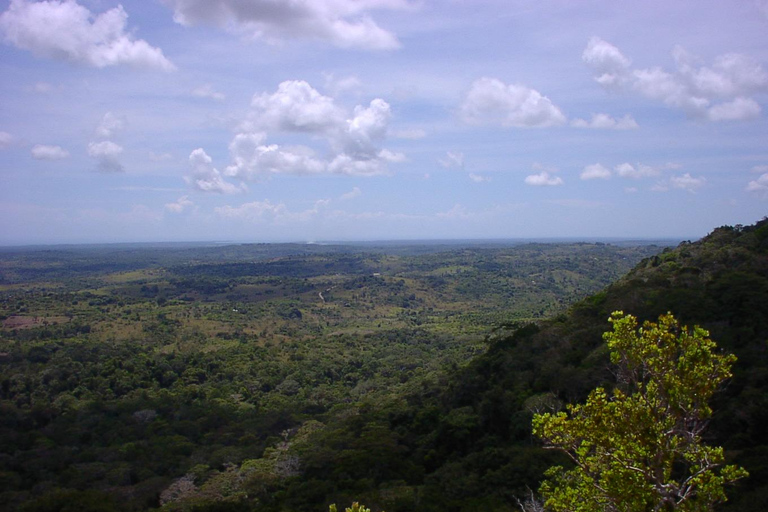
<point>242,379</point>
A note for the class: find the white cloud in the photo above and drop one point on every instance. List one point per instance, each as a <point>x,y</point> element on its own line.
<point>606,122</point>
<point>179,205</point>
<point>362,134</point>
<point>251,159</point>
<point>491,102</point>
<point>543,179</point>
<point>205,177</point>
<point>44,152</point>
<point>107,155</point>
<point>295,106</point>
<point>595,171</point>
<point>6,139</point>
<point>110,125</point>
<point>355,192</point>
<point>207,91</point>
<point>720,92</point>
<point>687,182</point>
<point>453,160</point>
<point>355,140</point>
<point>759,185</point>
<point>609,63</point>
<point>479,178</point>
<point>759,168</point>
<point>738,109</point>
<point>343,23</point>
<point>68,31</point>
<point>638,171</point>
<point>345,164</point>
<point>392,156</point>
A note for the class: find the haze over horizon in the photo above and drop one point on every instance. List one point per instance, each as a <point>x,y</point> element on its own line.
<point>263,121</point>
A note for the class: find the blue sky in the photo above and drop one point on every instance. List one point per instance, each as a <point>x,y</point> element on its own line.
<point>266,120</point>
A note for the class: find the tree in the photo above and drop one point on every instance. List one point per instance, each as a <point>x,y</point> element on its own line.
<point>356,507</point>
<point>640,448</point>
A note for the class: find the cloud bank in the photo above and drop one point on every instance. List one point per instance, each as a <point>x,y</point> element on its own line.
<point>354,139</point>
<point>70,32</point>
<point>720,92</point>
<point>342,23</point>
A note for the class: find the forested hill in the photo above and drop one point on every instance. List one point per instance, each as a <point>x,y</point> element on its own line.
<point>719,282</point>
<point>240,390</point>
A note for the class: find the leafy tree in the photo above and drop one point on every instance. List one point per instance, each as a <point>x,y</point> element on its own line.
<point>640,447</point>
<point>356,507</point>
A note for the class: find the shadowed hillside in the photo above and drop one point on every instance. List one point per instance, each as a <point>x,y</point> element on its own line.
<point>719,282</point>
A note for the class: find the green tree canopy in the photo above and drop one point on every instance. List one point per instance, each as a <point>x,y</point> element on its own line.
<point>639,448</point>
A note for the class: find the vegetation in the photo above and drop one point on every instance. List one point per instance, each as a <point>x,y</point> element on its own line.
<point>641,448</point>
<point>178,376</point>
<point>226,378</point>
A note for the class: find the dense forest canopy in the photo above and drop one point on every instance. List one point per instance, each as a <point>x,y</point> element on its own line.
<point>405,380</point>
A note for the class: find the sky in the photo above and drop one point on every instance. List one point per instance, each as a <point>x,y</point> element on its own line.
<point>318,120</point>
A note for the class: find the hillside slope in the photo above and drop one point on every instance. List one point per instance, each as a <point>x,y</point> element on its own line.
<point>719,282</point>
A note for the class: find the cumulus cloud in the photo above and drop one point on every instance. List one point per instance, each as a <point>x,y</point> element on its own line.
<point>251,158</point>
<point>44,152</point>
<point>479,178</point>
<point>179,205</point>
<point>683,182</point>
<point>110,125</point>
<point>354,139</point>
<point>6,139</point>
<point>355,192</point>
<point>759,185</point>
<point>453,160</point>
<point>719,92</point>
<point>738,109</point>
<point>606,122</point>
<point>205,177</point>
<point>543,179</point>
<point>65,30</point>
<point>687,182</point>
<point>491,102</point>
<point>106,154</point>
<point>759,169</point>
<point>346,164</point>
<point>627,170</point>
<point>610,65</point>
<point>343,23</point>
<point>295,106</point>
<point>594,172</point>
<point>207,91</point>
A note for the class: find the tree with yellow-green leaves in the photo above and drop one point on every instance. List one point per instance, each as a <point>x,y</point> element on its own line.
<point>639,447</point>
<point>356,507</point>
